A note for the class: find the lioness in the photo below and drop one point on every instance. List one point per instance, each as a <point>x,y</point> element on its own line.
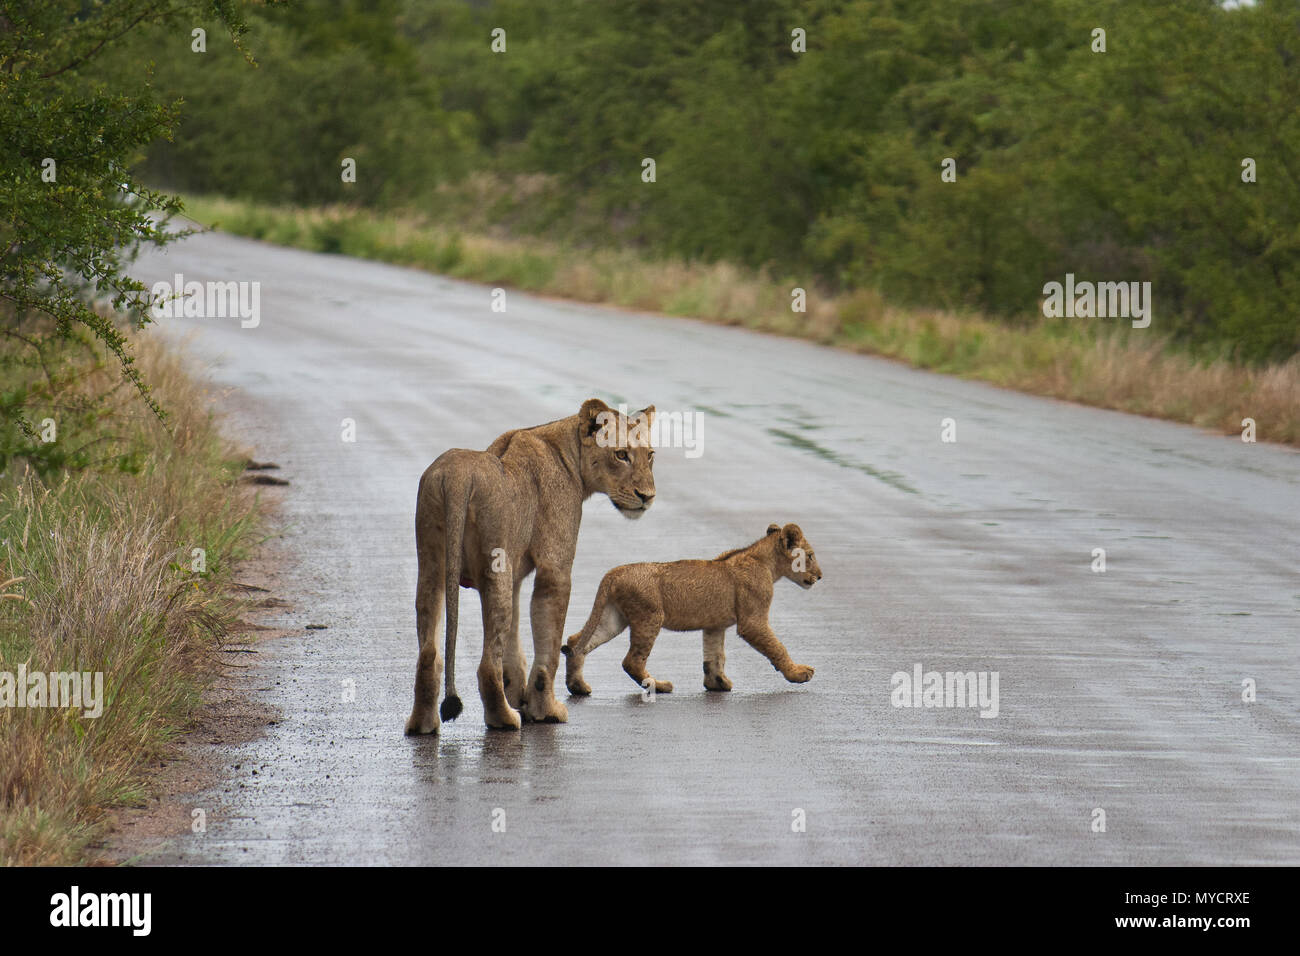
<point>709,596</point>
<point>485,520</point>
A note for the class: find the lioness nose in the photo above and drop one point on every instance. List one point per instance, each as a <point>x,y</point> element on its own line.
<point>645,498</point>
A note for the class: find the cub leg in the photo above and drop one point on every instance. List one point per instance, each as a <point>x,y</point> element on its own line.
<point>643,642</point>
<point>714,660</point>
<point>760,637</point>
<point>600,629</point>
<point>497,712</point>
<point>428,627</point>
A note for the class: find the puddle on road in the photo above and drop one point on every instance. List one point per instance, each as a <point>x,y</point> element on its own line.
<point>890,478</point>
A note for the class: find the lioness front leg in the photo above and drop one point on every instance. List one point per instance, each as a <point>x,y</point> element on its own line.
<point>714,660</point>
<point>643,642</point>
<point>549,606</point>
<point>760,637</point>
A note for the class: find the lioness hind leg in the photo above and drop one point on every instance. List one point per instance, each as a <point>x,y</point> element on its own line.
<point>514,665</point>
<point>497,712</point>
<point>715,659</point>
<point>428,628</point>
<point>643,642</point>
<point>611,625</point>
<point>428,680</point>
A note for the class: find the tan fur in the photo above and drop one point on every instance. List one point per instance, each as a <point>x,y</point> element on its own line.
<point>709,596</point>
<point>522,495</point>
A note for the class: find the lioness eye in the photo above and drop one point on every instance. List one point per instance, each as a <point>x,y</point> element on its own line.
<point>621,455</point>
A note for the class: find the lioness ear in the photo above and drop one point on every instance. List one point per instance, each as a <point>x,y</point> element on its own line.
<point>648,412</point>
<point>589,416</point>
<point>793,535</point>
<point>773,528</point>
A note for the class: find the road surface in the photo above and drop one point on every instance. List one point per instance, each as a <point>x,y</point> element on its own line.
<point>1119,691</point>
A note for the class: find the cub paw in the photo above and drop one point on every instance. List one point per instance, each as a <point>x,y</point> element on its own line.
<point>578,687</point>
<point>663,687</point>
<point>717,682</point>
<point>799,674</point>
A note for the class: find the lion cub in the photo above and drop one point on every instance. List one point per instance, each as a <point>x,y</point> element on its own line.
<point>709,596</point>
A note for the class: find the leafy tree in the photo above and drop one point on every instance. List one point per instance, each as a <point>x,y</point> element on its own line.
<point>335,79</point>
<point>1123,165</point>
<point>73,211</point>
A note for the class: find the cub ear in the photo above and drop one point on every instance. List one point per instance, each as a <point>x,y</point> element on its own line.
<point>589,416</point>
<point>773,528</point>
<point>792,536</point>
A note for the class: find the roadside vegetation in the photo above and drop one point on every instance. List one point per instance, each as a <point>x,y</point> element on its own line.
<point>98,531</point>
<point>121,514</point>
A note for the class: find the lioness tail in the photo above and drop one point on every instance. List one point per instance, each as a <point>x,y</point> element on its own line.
<point>456,502</point>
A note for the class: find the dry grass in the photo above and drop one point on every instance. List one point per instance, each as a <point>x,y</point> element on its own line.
<point>101,580</point>
<point>1129,370</point>
<point>1098,363</point>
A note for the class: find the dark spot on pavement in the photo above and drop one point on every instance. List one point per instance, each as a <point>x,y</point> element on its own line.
<point>263,480</point>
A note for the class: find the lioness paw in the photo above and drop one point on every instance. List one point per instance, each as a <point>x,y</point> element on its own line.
<point>417,725</point>
<point>505,721</point>
<point>501,716</point>
<point>545,712</point>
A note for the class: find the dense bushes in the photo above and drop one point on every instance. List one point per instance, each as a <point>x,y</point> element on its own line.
<point>1122,165</point>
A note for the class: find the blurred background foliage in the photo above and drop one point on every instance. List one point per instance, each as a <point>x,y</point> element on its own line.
<point>1117,166</point>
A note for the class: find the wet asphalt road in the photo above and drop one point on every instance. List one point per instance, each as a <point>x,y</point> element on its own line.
<point>1118,690</point>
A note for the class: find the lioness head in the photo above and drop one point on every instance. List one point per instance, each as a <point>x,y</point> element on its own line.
<point>795,557</point>
<point>617,458</point>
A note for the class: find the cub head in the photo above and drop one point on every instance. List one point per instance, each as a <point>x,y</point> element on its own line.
<point>617,458</point>
<point>794,555</point>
